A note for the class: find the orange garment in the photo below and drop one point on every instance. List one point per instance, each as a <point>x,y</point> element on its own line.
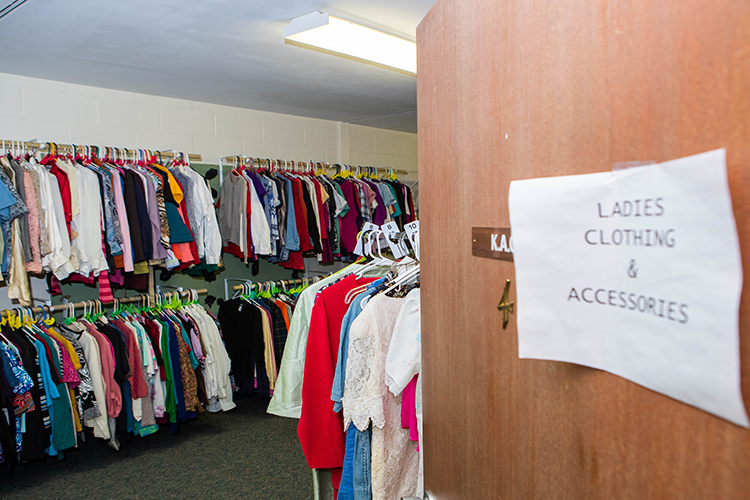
<point>119,261</point>
<point>173,184</point>
<point>282,306</point>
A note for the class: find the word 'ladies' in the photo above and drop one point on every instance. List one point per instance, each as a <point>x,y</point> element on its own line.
<point>649,207</point>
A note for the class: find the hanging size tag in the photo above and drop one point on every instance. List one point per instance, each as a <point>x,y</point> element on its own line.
<point>391,232</point>
<point>411,228</point>
<point>389,228</point>
<point>368,226</point>
<point>412,231</point>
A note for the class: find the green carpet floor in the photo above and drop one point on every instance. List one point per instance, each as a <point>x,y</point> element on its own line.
<point>244,453</point>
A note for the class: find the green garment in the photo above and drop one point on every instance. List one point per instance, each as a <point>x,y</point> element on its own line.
<point>170,403</point>
<point>63,432</point>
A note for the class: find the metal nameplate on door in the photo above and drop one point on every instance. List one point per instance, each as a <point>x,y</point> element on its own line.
<point>492,243</point>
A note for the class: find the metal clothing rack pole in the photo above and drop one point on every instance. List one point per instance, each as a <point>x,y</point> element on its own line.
<point>294,166</point>
<point>299,281</point>
<point>226,285</point>
<point>126,153</point>
<point>63,307</point>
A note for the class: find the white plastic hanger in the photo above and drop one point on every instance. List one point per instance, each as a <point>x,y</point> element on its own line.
<point>378,260</point>
<point>403,279</point>
<point>367,228</point>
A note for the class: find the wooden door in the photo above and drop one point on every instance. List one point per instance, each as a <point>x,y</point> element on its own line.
<point>517,89</point>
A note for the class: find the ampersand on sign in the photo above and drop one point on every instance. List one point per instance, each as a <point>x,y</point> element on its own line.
<point>632,270</point>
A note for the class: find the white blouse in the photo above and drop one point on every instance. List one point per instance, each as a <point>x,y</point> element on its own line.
<point>395,461</point>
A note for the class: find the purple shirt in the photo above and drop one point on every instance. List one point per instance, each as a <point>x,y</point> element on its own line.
<point>349,227</point>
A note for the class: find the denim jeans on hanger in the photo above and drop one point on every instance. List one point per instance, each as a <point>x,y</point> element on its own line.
<point>346,488</point>
<point>362,464</point>
<point>356,478</point>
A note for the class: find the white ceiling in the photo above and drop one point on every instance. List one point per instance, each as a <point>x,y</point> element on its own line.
<point>217,51</point>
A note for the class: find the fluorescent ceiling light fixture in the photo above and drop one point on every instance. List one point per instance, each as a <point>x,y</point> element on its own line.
<point>326,33</point>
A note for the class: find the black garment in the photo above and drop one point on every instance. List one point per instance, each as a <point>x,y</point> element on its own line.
<point>279,331</point>
<point>166,186</point>
<point>116,337</point>
<point>122,368</point>
<point>333,236</point>
<point>312,225</point>
<point>242,327</point>
<point>130,186</point>
<point>142,207</point>
<point>36,438</point>
<point>7,431</point>
<point>400,219</point>
<point>410,201</point>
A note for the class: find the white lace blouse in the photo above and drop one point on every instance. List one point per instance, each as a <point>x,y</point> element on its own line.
<point>395,461</point>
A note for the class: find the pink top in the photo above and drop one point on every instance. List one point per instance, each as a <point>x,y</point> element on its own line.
<point>127,249</point>
<point>409,409</point>
<point>107,353</point>
<point>35,265</point>
<point>138,387</point>
<point>70,374</point>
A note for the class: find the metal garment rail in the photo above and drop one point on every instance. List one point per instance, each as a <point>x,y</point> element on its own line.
<point>283,283</point>
<point>299,166</point>
<point>62,307</point>
<point>125,153</point>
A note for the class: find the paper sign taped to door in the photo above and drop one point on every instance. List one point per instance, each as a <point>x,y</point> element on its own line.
<point>637,272</point>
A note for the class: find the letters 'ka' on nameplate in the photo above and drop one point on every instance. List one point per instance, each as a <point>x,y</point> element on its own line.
<point>492,243</point>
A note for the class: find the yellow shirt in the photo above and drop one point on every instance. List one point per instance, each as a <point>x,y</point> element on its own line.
<point>68,347</point>
<point>173,184</point>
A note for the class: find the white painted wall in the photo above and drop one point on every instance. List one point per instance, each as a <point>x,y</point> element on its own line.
<point>52,111</point>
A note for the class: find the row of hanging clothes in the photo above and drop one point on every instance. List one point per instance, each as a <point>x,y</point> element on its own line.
<point>350,372</point>
<point>255,323</point>
<point>284,214</point>
<point>99,376</point>
<point>102,214</point>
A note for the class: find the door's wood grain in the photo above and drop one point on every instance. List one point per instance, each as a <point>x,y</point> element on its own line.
<point>517,89</point>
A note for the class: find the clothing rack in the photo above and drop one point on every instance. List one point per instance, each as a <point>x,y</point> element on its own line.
<point>111,152</point>
<point>282,283</point>
<point>126,300</point>
<point>299,166</point>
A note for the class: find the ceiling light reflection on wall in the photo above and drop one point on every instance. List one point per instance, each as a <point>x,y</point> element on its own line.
<point>326,33</point>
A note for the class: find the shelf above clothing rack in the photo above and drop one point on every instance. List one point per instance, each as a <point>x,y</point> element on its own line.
<point>126,153</point>
<point>77,305</point>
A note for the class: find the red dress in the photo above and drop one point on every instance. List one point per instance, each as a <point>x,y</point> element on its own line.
<point>320,429</point>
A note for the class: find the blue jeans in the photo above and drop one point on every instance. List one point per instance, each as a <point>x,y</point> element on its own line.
<point>361,464</point>
<point>356,478</point>
<point>346,489</point>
